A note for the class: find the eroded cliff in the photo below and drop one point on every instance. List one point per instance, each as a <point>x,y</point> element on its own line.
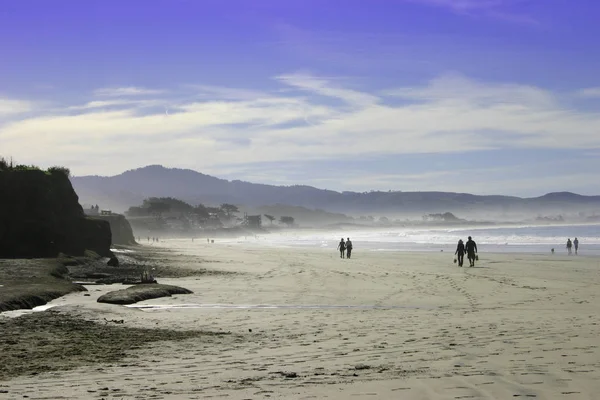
<point>40,216</point>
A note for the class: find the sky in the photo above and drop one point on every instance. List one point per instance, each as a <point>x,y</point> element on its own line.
<point>479,96</point>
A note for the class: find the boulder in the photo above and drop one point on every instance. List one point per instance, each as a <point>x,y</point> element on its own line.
<point>113,262</point>
<point>141,292</point>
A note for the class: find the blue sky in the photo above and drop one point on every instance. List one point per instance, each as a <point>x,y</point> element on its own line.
<point>482,96</point>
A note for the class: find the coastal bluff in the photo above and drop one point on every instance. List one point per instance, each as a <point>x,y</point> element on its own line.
<point>40,217</point>
<point>122,233</point>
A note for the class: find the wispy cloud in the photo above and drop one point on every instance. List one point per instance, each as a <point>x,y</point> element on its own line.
<point>12,107</point>
<point>324,87</point>
<point>497,9</point>
<point>125,91</point>
<point>449,114</point>
<point>225,93</point>
<point>114,103</point>
<point>451,86</point>
<point>464,5</point>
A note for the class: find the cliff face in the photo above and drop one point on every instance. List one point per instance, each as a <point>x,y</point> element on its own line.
<point>40,216</point>
<point>121,229</point>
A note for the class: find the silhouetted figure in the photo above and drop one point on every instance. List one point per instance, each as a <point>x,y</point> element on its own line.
<point>471,248</point>
<point>148,239</point>
<point>207,240</point>
<point>342,248</point>
<point>348,248</point>
<point>569,245</point>
<point>576,245</point>
<point>460,252</point>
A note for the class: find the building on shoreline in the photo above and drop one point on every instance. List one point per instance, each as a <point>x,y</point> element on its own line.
<point>252,221</point>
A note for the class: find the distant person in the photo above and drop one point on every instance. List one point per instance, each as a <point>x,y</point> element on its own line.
<point>576,245</point>
<point>342,248</point>
<point>348,248</point>
<point>471,248</point>
<point>207,240</point>
<point>569,245</point>
<point>460,252</point>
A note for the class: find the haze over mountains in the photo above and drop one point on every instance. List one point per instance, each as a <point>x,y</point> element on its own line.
<point>132,187</point>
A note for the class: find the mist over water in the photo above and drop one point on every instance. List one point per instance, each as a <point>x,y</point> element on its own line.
<point>528,239</point>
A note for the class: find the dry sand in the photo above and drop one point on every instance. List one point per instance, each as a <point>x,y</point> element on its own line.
<point>306,324</point>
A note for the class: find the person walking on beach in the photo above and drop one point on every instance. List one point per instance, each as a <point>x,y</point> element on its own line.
<point>460,252</point>
<point>576,245</point>
<point>569,245</point>
<point>348,248</point>
<point>471,248</point>
<point>342,248</point>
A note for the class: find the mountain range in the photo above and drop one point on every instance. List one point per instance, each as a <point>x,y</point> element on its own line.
<point>132,187</point>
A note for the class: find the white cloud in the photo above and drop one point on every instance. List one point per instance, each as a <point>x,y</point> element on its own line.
<point>324,87</point>
<point>11,107</point>
<point>449,114</point>
<point>224,93</point>
<point>125,91</point>
<point>114,103</point>
<point>451,87</point>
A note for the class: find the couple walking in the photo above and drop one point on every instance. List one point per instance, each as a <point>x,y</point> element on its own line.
<point>345,248</point>
<point>571,244</point>
<point>470,248</point>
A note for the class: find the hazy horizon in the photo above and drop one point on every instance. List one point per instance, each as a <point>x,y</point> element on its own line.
<point>231,179</point>
<point>483,97</point>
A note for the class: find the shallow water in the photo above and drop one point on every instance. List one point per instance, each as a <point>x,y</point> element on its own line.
<point>497,239</point>
<point>122,251</point>
<point>18,313</point>
<point>270,306</point>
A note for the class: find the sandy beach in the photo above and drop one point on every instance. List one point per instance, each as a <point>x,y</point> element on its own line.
<point>302,323</point>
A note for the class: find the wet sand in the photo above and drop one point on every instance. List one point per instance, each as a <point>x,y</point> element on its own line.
<point>306,324</point>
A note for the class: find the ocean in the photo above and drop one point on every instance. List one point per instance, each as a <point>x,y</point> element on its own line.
<point>527,239</point>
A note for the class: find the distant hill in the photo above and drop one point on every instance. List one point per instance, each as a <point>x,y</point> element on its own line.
<point>132,187</point>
